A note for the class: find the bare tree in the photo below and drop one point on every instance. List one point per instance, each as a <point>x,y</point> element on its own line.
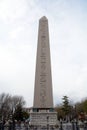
<point>8,104</point>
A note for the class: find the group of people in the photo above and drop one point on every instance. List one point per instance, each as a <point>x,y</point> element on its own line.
<point>14,125</point>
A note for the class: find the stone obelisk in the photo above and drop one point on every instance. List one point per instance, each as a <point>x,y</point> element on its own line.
<point>43,114</point>
<point>43,97</point>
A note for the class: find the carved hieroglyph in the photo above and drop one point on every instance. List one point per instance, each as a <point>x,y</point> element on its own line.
<point>43,97</point>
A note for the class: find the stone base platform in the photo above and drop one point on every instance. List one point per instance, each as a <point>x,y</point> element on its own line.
<point>43,119</point>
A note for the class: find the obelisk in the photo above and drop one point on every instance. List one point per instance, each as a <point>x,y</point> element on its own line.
<point>43,97</point>
<point>43,114</point>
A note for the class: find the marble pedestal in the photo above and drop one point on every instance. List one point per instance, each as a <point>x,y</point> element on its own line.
<point>43,119</point>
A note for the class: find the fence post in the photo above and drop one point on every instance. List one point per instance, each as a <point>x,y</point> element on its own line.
<point>77,127</point>
<point>73,127</point>
<point>61,128</point>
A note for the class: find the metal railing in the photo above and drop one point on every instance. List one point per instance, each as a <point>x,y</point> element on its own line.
<point>61,126</point>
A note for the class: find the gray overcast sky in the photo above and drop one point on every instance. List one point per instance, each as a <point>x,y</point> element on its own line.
<point>68,44</point>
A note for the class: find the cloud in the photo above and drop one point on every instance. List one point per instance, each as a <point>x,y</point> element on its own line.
<point>11,10</point>
<point>68,44</point>
<point>69,53</point>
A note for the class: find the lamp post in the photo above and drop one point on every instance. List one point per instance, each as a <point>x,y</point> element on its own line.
<point>47,122</point>
<point>0,111</point>
<point>12,123</point>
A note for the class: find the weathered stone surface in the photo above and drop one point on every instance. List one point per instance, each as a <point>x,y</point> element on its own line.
<point>43,118</point>
<point>43,114</point>
<point>43,97</point>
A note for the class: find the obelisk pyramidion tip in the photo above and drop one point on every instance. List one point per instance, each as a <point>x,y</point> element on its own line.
<point>43,18</point>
